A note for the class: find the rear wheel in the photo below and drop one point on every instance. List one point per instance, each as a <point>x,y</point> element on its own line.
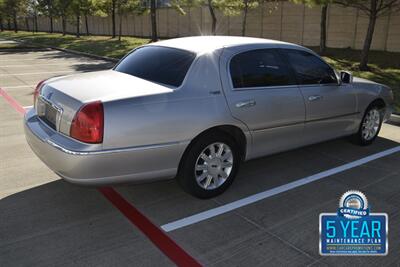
<point>370,126</point>
<point>210,165</point>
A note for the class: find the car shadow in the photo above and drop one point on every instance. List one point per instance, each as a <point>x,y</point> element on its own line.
<point>69,224</point>
<point>165,201</point>
<point>66,224</point>
<point>85,66</point>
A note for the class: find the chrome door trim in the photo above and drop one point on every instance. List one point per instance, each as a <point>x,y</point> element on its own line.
<point>274,87</point>
<point>335,117</point>
<point>114,150</point>
<point>316,120</point>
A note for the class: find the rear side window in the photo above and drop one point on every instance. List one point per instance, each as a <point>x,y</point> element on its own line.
<point>309,68</point>
<point>158,64</point>
<point>259,68</point>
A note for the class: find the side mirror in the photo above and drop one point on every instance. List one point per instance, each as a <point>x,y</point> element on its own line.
<point>346,77</point>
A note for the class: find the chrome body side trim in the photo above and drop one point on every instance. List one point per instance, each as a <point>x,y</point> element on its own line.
<point>116,150</point>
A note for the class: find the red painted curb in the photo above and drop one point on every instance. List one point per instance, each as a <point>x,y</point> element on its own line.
<point>159,238</point>
<point>12,102</point>
<point>155,234</point>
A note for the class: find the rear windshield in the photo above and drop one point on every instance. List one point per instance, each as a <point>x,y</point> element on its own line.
<point>158,64</point>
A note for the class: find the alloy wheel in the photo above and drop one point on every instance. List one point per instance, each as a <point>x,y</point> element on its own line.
<point>370,125</point>
<point>213,166</point>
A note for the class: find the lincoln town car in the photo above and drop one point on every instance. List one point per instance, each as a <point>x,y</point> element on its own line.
<point>194,109</point>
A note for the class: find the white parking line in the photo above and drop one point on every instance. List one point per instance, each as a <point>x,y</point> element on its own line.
<point>52,64</point>
<point>271,192</point>
<point>33,73</point>
<point>26,59</point>
<point>19,86</point>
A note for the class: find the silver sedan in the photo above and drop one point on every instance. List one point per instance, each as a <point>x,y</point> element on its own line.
<point>194,108</point>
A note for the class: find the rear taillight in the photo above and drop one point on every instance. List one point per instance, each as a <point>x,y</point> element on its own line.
<point>88,123</point>
<point>37,91</point>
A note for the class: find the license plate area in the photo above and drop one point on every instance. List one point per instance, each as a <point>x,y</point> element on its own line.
<point>48,113</point>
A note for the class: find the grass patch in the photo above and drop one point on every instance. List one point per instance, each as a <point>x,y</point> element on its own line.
<point>5,44</point>
<point>98,45</point>
<point>384,66</point>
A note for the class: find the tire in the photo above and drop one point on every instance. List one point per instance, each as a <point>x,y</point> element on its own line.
<point>372,118</point>
<point>199,164</point>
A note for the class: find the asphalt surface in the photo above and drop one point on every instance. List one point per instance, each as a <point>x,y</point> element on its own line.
<point>47,221</point>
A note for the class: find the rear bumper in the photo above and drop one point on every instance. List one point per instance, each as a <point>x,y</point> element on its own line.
<point>89,164</point>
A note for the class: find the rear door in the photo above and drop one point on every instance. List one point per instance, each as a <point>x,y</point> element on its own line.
<point>330,105</point>
<point>262,92</point>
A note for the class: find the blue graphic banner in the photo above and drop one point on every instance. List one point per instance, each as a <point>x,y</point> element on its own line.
<point>364,236</point>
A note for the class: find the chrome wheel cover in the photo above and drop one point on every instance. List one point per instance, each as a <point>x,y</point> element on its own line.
<point>213,166</point>
<point>370,124</point>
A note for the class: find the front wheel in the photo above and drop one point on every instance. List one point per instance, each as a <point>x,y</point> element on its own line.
<point>370,126</point>
<point>210,165</point>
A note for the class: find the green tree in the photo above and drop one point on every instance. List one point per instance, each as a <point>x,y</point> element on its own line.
<point>63,9</point>
<point>113,8</point>
<point>76,7</point>
<point>246,5</point>
<point>227,7</point>
<point>153,19</point>
<point>109,7</point>
<point>31,12</point>
<point>177,4</point>
<point>12,9</point>
<point>88,8</point>
<point>2,15</point>
<point>373,9</point>
<point>324,12</point>
<point>49,9</point>
<point>123,7</point>
<point>153,13</point>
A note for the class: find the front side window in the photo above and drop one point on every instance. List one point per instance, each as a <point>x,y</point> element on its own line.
<point>309,68</point>
<point>158,64</point>
<point>259,68</point>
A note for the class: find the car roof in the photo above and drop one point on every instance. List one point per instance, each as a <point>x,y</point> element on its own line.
<point>202,44</point>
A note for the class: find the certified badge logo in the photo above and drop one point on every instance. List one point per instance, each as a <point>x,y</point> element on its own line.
<point>353,230</point>
<point>353,205</point>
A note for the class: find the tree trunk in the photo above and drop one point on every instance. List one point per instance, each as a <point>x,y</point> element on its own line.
<point>368,37</point>
<point>36,22</point>
<point>153,17</point>
<point>322,38</point>
<point>113,18</point>
<point>1,24</point>
<point>87,25</point>
<point>78,22</point>
<point>213,17</point>
<point>9,24</point>
<point>64,25</point>
<point>51,23</point>
<point>245,11</point>
<point>15,22</point>
<point>27,24</point>
<point>120,27</point>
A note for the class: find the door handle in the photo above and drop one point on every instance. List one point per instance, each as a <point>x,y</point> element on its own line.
<point>247,103</point>
<point>314,97</point>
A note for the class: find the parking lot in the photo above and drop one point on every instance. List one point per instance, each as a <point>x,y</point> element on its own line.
<point>269,217</point>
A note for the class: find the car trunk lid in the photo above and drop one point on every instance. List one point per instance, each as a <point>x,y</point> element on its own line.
<point>105,86</point>
<point>61,97</point>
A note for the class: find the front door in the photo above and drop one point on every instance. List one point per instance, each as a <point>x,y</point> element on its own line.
<point>262,93</point>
